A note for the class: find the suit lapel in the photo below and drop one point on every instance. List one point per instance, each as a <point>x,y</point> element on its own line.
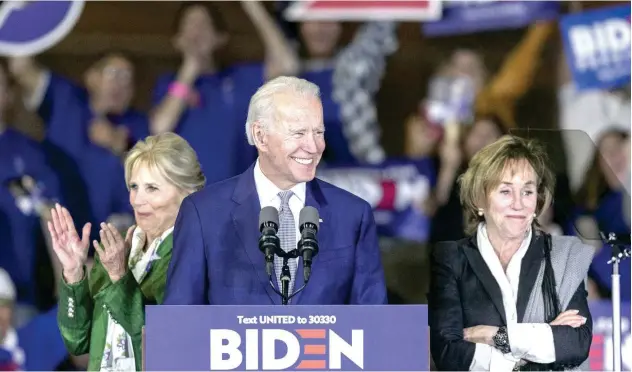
<point>314,198</point>
<point>485,276</point>
<point>528,273</point>
<point>245,218</point>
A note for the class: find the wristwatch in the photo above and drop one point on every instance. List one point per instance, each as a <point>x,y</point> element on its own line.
<point>501,340</point>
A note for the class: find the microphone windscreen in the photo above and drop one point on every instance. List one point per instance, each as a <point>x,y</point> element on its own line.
<point>269,214</point>
<point>309,215</point>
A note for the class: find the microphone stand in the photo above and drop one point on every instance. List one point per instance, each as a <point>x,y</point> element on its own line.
<point>619,254</point>
<point>286,276</point>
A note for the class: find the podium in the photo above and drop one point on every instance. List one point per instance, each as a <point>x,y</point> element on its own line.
<point>286,338</point>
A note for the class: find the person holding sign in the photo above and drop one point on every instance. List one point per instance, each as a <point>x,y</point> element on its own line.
<point>103,314</point>
<point>216,256</point>
<point>509,295</point>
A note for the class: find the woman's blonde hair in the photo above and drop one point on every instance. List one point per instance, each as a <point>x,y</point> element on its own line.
<point>486,169</point>
<point>172,156</point>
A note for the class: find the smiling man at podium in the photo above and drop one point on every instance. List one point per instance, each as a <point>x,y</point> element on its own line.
<point>216,257</point>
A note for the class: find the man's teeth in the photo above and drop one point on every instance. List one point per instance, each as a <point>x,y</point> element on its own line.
<point>303,161</point>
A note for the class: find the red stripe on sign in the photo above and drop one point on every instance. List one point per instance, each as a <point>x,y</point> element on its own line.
<point>386,5</point>
<point>311,333</point>
<point>388,195</point>
<point>595,355</point>
<point>311,364</point>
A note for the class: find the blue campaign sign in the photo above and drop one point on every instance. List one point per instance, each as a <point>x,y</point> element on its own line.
<point>597,47</point>
<point>464,17</point>
<point>252,338</point>
<point>396,190</point>
<point>31,27</point>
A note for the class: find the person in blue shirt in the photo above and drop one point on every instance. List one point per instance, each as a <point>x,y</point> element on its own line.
<point>87,129</point>
<point>26,185</point>
<point>601,207</point>
<point>34,346</point>
<point>206,102</point>
<point>100,111</point>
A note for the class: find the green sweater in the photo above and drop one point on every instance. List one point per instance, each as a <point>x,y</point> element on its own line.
<point>83,306</point>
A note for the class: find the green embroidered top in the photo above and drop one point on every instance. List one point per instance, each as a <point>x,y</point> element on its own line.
<point>83,306</point>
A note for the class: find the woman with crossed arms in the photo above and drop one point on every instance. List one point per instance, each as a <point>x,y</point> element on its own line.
<point>103,313</point>
<point>509,296</point>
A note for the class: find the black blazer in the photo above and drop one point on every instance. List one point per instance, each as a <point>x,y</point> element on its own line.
<point>464,293</point>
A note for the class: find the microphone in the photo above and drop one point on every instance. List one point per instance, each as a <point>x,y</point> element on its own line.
<point>308,245</point>
<point>269,241</point>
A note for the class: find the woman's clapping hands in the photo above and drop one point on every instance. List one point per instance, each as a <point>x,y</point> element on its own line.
<point>113,250</point>
<point>71,251</point>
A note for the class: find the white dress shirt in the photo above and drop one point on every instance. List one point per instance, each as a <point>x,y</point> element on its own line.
<point>269,196</point>
<point>528,341</point>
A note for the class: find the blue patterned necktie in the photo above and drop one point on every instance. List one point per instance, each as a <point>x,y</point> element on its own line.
<point>287,235</point>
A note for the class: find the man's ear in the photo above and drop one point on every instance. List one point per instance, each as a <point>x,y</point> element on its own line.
<point>259,136</point>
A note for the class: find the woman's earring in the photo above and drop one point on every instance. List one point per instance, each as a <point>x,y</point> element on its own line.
<point>480,211</point>
<point>535,215</point>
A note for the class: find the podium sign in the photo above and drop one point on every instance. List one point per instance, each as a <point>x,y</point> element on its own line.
<point>277,338</point>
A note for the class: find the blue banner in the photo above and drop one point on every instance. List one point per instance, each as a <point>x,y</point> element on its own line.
<point>396,190</point>
<point>601,350</point>
<point>464,17</point>
<point>597,47</point>
<point>278,338</point>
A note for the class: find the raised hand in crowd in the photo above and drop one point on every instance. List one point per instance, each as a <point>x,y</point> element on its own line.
<point>196,39</point>
<point>71,250</point>
<point>196,48</point>
<point>105,134</point>
<point>113,250</point>
<point>201,32</point>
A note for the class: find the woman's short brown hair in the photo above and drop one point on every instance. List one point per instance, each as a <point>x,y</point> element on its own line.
<point>486,169</point>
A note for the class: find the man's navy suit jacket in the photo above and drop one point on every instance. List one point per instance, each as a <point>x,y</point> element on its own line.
<point>216,258</point>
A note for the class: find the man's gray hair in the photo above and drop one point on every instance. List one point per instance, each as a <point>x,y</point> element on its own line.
<point>261,108</point>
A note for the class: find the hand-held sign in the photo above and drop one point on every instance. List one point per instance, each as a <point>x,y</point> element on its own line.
<point>48,23</point>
